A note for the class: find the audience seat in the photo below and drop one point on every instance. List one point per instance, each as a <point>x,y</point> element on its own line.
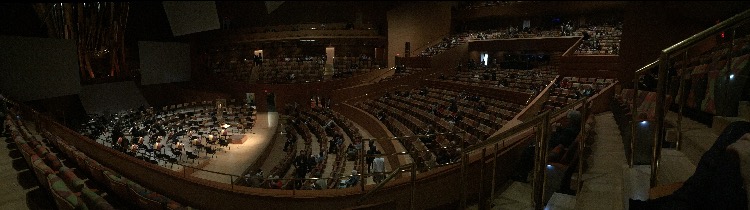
<point>142,197</point>
<point>116,183</point>
<point>65,198</point>
<point>94,200</point>
<point>75,183</point>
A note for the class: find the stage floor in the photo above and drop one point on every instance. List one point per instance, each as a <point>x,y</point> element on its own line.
<point>235,159</point>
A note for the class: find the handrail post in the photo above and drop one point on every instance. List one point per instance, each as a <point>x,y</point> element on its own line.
<point>388,178</point>
<point>481,175</point>
<point>582,143</point>
<point>362,166</point>
<point>634,117</point>
<point>681,103</point>
<point>494,175</point>
<point>658,132</point>
<point>462,182</point>
<point>413,185</point>
<point>540,175</point>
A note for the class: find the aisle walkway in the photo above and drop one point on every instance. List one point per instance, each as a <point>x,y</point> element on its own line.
<point>603,181</point>
<point>19,188</point>
<point>605,184</point>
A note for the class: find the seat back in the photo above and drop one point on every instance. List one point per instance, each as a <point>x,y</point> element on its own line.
<point>143,197</point>
<point>64,197</point>
<point>116,183</point>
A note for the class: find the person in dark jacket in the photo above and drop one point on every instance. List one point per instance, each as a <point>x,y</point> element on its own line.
<point>718,179</point>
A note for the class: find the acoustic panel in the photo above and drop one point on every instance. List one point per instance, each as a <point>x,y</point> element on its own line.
<point>272,5</point>
<point>164,62</point>
<point>38,68</point>
<point>187,17</point>
<point>113,97</point>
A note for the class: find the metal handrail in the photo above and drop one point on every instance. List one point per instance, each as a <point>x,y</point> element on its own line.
<point>647,66</point>
<point>542,140</point>
<point>523,126</point>
<point>663,65</point>
<point>700,36</point>
<point>390,176</point>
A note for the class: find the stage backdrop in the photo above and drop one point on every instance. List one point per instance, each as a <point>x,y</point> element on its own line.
<point>111,97</point>
<point>187,17</point>
<point>164,62</point>
<point>38,68</point>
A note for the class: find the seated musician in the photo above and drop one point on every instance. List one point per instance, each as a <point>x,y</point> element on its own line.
<point>158,146</point>
<point>140,140</point>
<point>170,135</point>
<point>133,148</point>
<point>210,138</point>
<point>179,146</point>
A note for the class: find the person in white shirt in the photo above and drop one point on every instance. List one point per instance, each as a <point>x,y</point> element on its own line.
<point>378,168</point>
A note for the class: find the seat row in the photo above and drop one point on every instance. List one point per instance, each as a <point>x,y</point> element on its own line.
<point>63,176</point>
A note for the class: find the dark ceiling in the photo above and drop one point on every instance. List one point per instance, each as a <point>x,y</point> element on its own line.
<point>147,20</point>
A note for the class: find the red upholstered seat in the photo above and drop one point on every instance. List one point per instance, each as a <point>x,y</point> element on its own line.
<point>65,198</point>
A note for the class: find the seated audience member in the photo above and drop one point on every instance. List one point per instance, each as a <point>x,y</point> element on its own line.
<point>321,157</point>
<point>721,179</point>
<point>353,179</point>
<point>320,183</point>
<point>351,152</point>
<point>254,180</point>
<point>275,182</point>
<point>562,135</point>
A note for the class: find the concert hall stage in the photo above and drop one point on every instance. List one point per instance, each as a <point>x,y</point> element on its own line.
<point>240,155</point>
<point>238,138</point>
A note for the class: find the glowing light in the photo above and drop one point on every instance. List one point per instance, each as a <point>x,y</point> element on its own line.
<point>644,122</point>
<point>731,76</point>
